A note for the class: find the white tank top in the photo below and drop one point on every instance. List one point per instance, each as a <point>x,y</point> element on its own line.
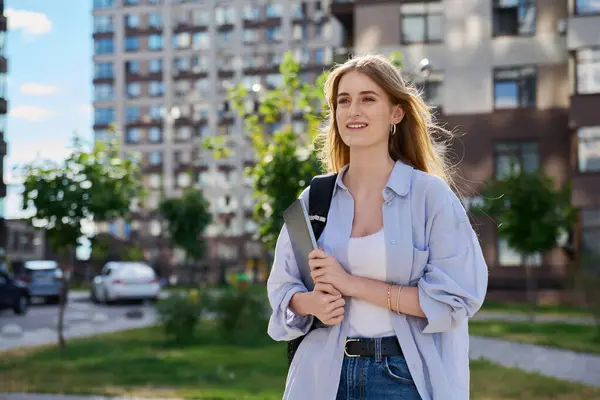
<point>367,258</point>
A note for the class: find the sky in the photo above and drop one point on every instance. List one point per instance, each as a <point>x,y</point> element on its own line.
<point>49,84</point>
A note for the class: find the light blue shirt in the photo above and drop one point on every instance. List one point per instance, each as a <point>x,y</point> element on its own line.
<point>429,244</point>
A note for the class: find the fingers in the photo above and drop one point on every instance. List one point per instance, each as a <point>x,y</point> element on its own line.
<point>315,263</point>
<point>335,317</point>
<point>317,273</point>
<point>317,253</point>
<point>339,303</point>
<point>327,288</point>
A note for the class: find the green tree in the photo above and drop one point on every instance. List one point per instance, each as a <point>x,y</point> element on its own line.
<point>187,218</point>
<point>531,215</point>
<point>88,185</point>
<point>286,158</point>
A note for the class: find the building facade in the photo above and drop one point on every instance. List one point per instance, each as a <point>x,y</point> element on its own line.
<point>162,68</point>
<point>514,78</point>
<point>3,112</point>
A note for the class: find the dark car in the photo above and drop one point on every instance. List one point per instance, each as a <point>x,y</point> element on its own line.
<point>13,294</point>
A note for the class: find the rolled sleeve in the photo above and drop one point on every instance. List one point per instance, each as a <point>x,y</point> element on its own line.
<point>454,282</point>
<point>284,281</point>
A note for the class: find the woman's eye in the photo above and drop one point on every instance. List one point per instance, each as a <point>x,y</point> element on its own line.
<point>369,99</point>
<point>342,101</point>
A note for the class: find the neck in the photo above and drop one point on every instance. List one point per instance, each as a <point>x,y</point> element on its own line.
<point>368,171</point>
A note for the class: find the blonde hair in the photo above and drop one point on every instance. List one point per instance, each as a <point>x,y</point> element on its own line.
<point>413,142</point>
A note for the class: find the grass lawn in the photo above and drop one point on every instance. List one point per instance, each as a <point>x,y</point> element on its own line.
<point>140,362</point>
<point>560,310</point>
<point>582,338</point>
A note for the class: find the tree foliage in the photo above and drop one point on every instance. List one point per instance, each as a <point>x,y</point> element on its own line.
<point>187,218</point>
<point>97,184</point>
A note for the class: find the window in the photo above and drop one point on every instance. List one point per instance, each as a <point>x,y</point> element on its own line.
<point>102,135</point>
<point>103,92</point>
<point>104,115</point>
<point>181,63</point>
<point>524,155</point>
<point>155,112</point>
<point>134,89</point>
<point>590,236</point>
<point>132,67</point>
<point>587,7</point>
<point>155,42</point>
<point>323,31</point>
<point>131,2</point>
<point>588,152</point>
<point>588,71</point>
<point>274,34</point>
<point>132,21</point>
<point>299,10</point>
<point>103,23</point>
<point>182,88</point>
<point>132,114</point>
<point>155,66</point>
<point>201,17</point>
<point>155,158</point>
<point>154,135</point>
<point>156,88</point>
<point>201,40</point>
<point>322,56</point>
<point>104,46</point>
<point>155,20</point>
<point>509,257</point>
<point>251,13</point>
<point>201,85</point>
<point>300,32</point>
<point>422,27</point>
<point>225,15</point>
<point>103,4</point>
<point>182,40</point>
<point>184,132</point>
<point>431,91</point>
<point>224,37</point>
<point>184,179</point>
<point>133,135</point>
<point>132,43</point>
<point>302,56</point>
<point>515,88</point>
<point>514,17</point>
<point>273,11</point>
<point>251,35</point>
<point>103,70</point>
<point>154,181</point>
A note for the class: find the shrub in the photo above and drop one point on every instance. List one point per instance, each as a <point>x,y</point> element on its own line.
<point>180,314</point>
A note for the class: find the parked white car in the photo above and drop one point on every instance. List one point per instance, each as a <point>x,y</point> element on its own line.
<point>124,281</point>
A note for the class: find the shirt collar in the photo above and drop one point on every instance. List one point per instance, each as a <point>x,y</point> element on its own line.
<point>399,180</point>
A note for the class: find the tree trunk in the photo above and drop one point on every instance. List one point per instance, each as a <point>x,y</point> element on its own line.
<point>531,285</point>
<point>64,296</point>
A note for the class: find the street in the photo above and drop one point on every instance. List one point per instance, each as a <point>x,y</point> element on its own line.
<point>82,318</point>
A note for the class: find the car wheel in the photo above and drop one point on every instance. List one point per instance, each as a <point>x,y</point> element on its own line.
<point>107,301</point>
<point>21,305</point>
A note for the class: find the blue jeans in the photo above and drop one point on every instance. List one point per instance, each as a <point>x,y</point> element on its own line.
<point>365,378</point>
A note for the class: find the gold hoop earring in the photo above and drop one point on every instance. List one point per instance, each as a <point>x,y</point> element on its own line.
<point>393,129</point>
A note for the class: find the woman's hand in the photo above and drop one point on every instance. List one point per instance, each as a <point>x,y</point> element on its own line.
<point>326,269</point>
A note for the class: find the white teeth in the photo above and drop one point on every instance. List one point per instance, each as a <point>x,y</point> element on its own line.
<point>356,126</point>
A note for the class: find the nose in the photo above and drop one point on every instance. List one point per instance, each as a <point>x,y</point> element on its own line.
<point>353,109</point>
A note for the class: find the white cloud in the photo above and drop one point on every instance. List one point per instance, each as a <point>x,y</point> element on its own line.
<point>38,89</point>
<point>30,22</point>
<point>31,113</point>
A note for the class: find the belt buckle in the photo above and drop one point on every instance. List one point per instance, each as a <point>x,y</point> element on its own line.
<point>346,350</point>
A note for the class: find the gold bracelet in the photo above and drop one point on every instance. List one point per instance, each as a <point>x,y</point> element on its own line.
<point>398,300</point>
<point>389,297</point>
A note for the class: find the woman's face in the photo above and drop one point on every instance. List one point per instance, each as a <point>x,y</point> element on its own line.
<point>364,113</point>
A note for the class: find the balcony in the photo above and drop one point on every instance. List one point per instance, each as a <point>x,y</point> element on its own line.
<point>583,31</point>
<point>584,109</point>
<point>3,25</point>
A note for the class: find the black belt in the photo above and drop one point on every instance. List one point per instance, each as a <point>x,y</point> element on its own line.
<point>366,347</point>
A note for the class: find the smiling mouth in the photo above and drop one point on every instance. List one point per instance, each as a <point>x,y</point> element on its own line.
<point>356,126</point>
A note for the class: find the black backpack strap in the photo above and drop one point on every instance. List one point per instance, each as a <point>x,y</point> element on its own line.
<point>319,200</point>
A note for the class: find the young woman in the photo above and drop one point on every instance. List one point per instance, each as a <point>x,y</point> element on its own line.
<point>399,270</point>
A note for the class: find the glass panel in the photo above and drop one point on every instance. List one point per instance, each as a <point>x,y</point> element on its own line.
<point>588,6</point>
<point>435,27</point>
<point>413,28</point>
<point>506,95</point>
<point>589,149</point>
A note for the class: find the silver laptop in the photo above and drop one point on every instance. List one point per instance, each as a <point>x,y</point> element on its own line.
<point>302,238</point>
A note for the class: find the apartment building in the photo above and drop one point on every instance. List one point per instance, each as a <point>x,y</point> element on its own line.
<point>3,111</point>
<point>162,68</point>
<point>517,78</point>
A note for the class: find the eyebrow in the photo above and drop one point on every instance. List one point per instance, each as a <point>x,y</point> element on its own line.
<point>361,93</point>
